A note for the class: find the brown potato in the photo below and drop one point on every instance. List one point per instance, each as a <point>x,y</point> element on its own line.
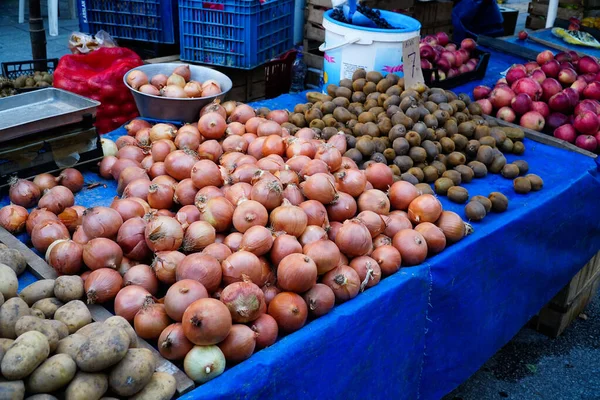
<point>48,306</point>
<point>12,390</point>
<point>162,386</point>
<point>54,373</point>
<point>121,322</point>
<point>70,345</point>
<point>87,387</point>
<point>133,372</point>
<point>23,357</point>
<point>74,314</point>
<point>28,323</point>
<point>106,347</point>
<point>41,289</point>
<point>10,312</point>
<point>68,287</point>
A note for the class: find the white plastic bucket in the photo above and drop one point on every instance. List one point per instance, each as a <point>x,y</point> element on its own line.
<point>349,47</point>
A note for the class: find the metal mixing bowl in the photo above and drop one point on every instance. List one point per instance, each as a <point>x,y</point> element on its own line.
<point>165,108</point>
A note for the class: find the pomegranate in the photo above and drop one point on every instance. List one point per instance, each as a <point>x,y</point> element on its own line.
<point>586,142</point>
<point>587,123</point>
<point>521,103</point>
<point>566,132</point>
<point>532,120</point>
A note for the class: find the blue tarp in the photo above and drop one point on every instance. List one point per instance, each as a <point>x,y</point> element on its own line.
<point>421,332</point>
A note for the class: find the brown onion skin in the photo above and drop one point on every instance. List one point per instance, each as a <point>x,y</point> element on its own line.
<point>266,330</point>
<point>257,240</point>
<point>151,320</point>
<point>381,240</point>
<point>218,251</point>
<point>353,239</point>
<point>268,192</point>
<point>141,275</point>
<point>66,257</point>
<point>293,194</point>
<point>270,292</point>
<point>374,200</point>
<point>453,226</point>
<point>320,187</point>
<point>37,216</point>
<point>179,164</point>
<point>101,222</point>
<point>47,181</point>
<point>165,265</point>
<point>105,167</point>
<point>373,221</point>
<point>202,268</point>
<point>394,223</point>
<point>102,285</point>
<point>380,176</point>
<point>102,253</point>
<point>206,173</point>
<point>187,215</point>
<point>284,245</point>
<point>351,181</point>
<point>159,238</point>
<point>197,236</point>
<point>342,208</point>
<point>315,212</point>
<point>137,189</point>
<point>388,258</point>
<point>46,232</point>
<point>289,219</point>
<point>69,217</point>
<point>334,228</point>
<point>130,300</point>
<point>424,208</point>
<point>401,194</point>
<point>13,218</point>
<point>127,208</point>
<point>289,310</point>
<point>180,295</point>
<point>131,239</point>
<point>206,322</point>
<point>434,236</point>
<point>312,233</point>
<point>218,212</point>
<point>249,213</point>
<point>237,192</point>
<point>320,299</point>
<point>233,241</point>
<point>239,344</point>
<point>172,343</point>
<point>362,266</point>
<point>244,300</point>
<point>296,273</point>
<point>344,281</point>
<point>57,199</point>
<point>324,253</point>
<point>241,263</point>
<point>24,193</point>
<point>185,192</point>
<point>411,245</point>
<point>71,178</point>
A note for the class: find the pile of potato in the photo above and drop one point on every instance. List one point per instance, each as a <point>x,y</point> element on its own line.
<point>50,348</point>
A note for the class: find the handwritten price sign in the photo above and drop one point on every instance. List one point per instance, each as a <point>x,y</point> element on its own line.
<point>411,57</point>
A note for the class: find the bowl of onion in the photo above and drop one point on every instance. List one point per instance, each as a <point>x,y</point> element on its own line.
<point>174,91</point>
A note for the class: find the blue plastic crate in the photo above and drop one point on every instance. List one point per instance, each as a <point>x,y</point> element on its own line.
<point>235,33</point>
<point>144,20</point>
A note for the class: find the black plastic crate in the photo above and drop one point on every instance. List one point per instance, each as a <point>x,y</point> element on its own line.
<point>431,76</point>
<point>14,69</point>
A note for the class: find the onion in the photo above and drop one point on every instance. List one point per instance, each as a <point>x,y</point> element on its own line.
<point>380,176</point>
<point>284,245</point>
<point>151,320</point>
<point>65,256</point>
<point>126,265</point>
<point>210,150</point>
<point>156,169</point>
<point>46,232</point>
<point>289,310</point>
<point>296,163</point>
<point>202,268</point>
<point>306,133</point>
<point>320,187</point>
<point>213,107</point>
<point>102,285</point>
<point>206,173</point>
<point>197,236</point>
<point>331,156</point>
<point>137,189</point>
<point>242,114</point>
<point>176,80</point>
<point>267,277</point>
<point>218,251</point>
<point>320,299</point>
<point>381,240</point>
<point>218,212</point>
<point>127,208</point>
<point>273,145</point>
<point>44,181</point>
<point>105,167</point>
<point>293,194</point>
<point>334,228</point>
<point>160,196</point>
<point>128,175</point>
<point>314,167</point>
<point>237,192</point>
<point>142,138</point>
<point>124,141</point>
<point>235,129</point>
<point>342,208</point>
<point>374,200</point>
<point>164,233</point>
<point>249,213</point>
<point>424,208</point>
<point>324,253</point>
<point>233,241</point>
<point>266,331</point>
<point>136,79</point>
<point>279,116</point>
<point>187,215</point>
<point>245,301</point>
<point>179,163</point>
<point>244,173</point>
<point>394,223</point>
<point>102,253</point>
<point>388,258</point>
<point>311,234</point>
<point>149,89</point>
<point>373,221</point>
<point>131,239</point>
<point>172,343</point>
<point>210,88</point>
<point>183,71</point>
<point>36,217</point>
<point>206,321</point>
<point>351,181</point>
<point>411,245</point>
<point>204,363</point>
<point>188,140</point>
<point>13,218</point>
<point>296,273</point>
<point>71,179</point>
<point>159,81</point>
<point>257,240</point>
<point>79,236</point>
<point>268,192</point>
<point>316,213</point>
<point>289,218</point>
<point>241,263</point>
<point>271,162</point>
<point>101,222</point>
<point>212,126</point>
<point>368,271</point>
<point>205,194</point>
<point>185,192</point>
<point>135,125</point>
<point>57,199</point>
<point>69,217</point>
<point>234,143</point>
<point>354,239</point>
<point>270,293</point>
<point>193,89</point>
<point>142,275</point>
<point>239,344</point>
<point>180,295</point>
<point>120,165</point>
<point>287,177</point>
<point>434,236</point>
<point>165,265</point>
<point>453,226</point>
<point>130,300</point>
<point>401,194</point>
<point>344,281</point>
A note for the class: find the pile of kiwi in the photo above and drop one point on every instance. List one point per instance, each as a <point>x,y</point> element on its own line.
<point>37,80</point>
<point>426,135</point>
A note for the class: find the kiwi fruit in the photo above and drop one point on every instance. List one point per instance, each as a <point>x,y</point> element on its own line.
<point>350,140</point>
<point>417,172</point>
<point>380,144</point>
<point>440,133</point>
<point>510,171</point>
<point>497,165</point>
<point>402,119</point>
<point>356,128</point>
<point>466,173</point>
<point>392,100</point>
<point>472,148</point>
<point>430,173</point>
<point>378,157</point>
<point>413,113</point>
<point>413,138</point>
<point>359,74</point>
<point>328,132</point>
<point>330,90</point>
<point>370,128</point>
<point>442,117</point>
<point>374,76</point>
<point>479,169</point>
<point>455,158</point>
<point>342,115</point>
<point>523,166</point>
<point>354,154</point>
<point>314,113</point>
<point>440,166</point>
<point>329,120</point>
<point>485,155</point>
<point>488,141</point>
<point>431,121</point>
<point>395,171</point>
<point>418,154</point>
<point>327,107</point>
<point>298,119</point>
<point>467,129</point>
<point>301,108</point>
<point>383,85</point>
<point>522,185</point>
<point>458,194</point>
<point>438,98</point>
<point>317,123</point>
<point>431,106</point>
<point>341,102</point>
<point>409,178</point>
<point>403,162</point>
<point>499,202</point>
<point>442,185</point>
<point>401,146</point>
<point>377,110</point>
<point>518,148</point>
<point>475,211</point>
<point>460,141</point>
<point>369,88</point>
<point>394,90</point>
<point>359,84</point>
<point>447,145</point>
<point>454,176</point>
<point>498,134</point>
<point>366,116</point>
<point>431,149</point>
<point>536,182</point>
<point>365,146</point>
<point>424,188</point>
<point>451,126</point>
<point>370,103</point>
<point>475,108</point>
<point>506,146</point>
<point>385,126</point>
<point>487,203</point>
<point>481,131</point>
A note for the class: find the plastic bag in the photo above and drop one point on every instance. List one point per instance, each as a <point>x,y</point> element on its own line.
<point>99,76</point>
<point>82,43</point>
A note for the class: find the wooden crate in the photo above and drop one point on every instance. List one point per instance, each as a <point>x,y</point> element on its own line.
<point>314,32</point>
<point>41,270</point>
<point>313,57</point>
<point>320,3</point>
<point>314,78</point>
<point>535,22</point>
<point>540,9</point>
<point>570,302</point>
<point>433,14</point>
<point>314,14</point>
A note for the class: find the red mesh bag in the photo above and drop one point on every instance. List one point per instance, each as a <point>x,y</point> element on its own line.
<point>99,76</point>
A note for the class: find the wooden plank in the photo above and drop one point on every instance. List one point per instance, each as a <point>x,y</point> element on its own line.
<point>314,60</point>
<point>321,3</point>
<point>36,265</point>
<point>314,14</point>
<point>580,282</point>
<point>314,32</point>
<point>543,138</point>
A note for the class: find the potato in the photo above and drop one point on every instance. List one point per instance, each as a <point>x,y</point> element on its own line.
<point>133,372</point>
<point>121,322</point>
<point>34,312</point>
<point>14,259</point>
<point>28,323</point>
<point>106,347</point>
<point>162,386</point>
<point>48,306</point>
<point>70,345</point>
<point>60,328</point>
<point>41,397</point>
<point>8,282</point>
<point>74,314</point>
<point>67,288</point>
<point>5,344</point>
<point>54,373</point>
<point>12,390</point>
<point>87,387</point>
<point>1,299</point>
<point>10,312</point>
<point>90,329</point>
<point>41,289</point>
<point>23,357</point>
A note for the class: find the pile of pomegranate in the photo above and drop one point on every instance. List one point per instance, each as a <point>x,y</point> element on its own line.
<point>450,60</point>
<point>558,94</point>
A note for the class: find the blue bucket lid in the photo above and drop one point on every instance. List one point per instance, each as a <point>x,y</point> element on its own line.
<point>403,23</point>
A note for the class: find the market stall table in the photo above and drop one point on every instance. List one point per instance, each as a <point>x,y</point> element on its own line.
<point>424,330</point>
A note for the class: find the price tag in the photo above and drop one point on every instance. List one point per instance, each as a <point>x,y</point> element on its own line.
<point>411,58</point>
